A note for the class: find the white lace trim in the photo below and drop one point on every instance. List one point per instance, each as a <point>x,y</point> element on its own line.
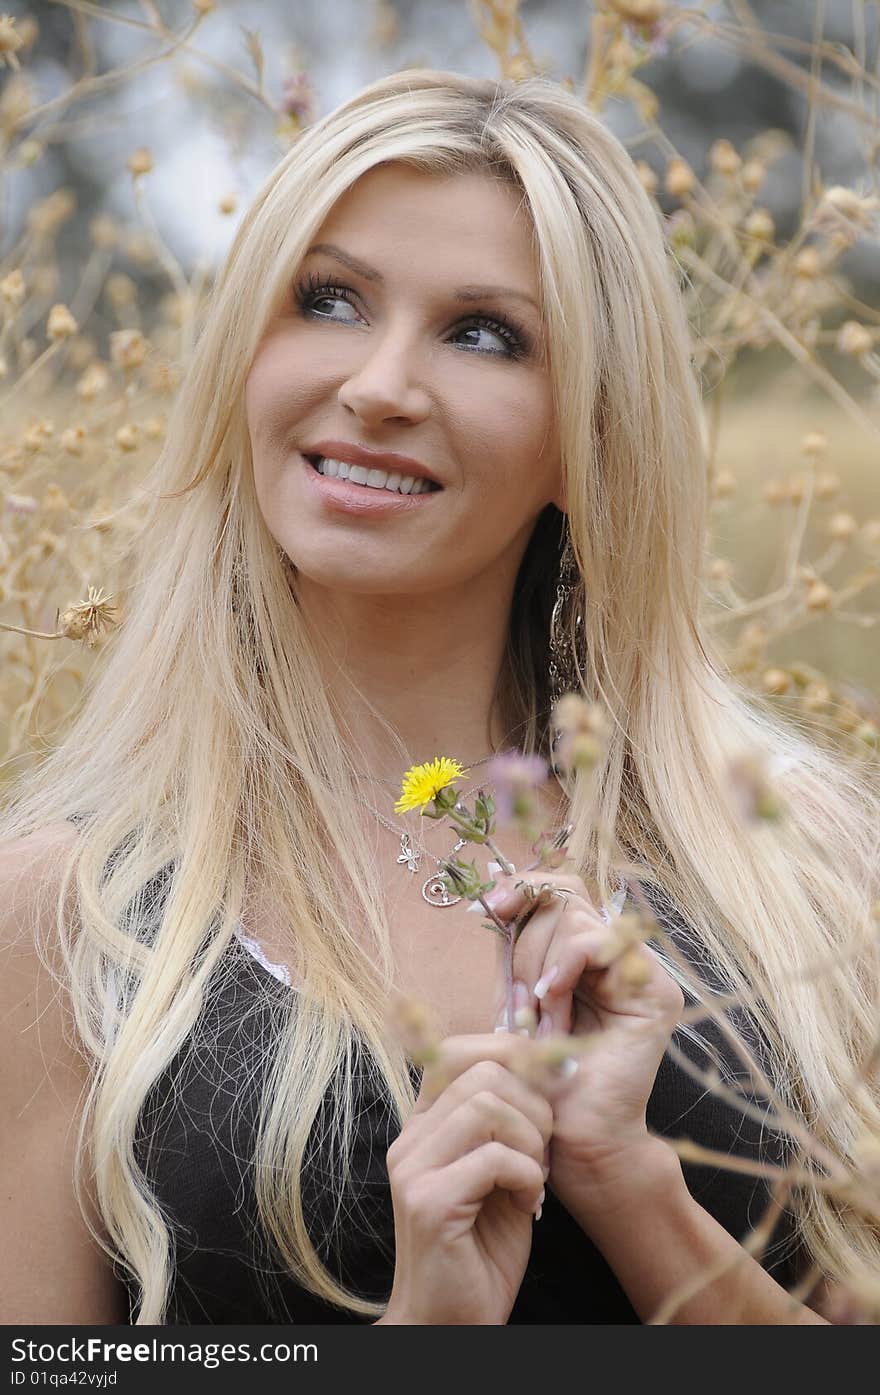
<point>278,971</point>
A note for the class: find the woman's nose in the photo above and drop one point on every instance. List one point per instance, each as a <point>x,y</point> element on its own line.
<point>385,383</point>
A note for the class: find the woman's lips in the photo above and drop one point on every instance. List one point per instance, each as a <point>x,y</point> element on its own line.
<point>358,500</point>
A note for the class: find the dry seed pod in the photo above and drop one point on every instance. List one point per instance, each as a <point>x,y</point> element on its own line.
<point>680,178</point>
<point>775,680</point>
<point>61,324</point>
<point>724,158</point>
<point>647,177</point>
<point>808,264</point>
<point>413,1021</point>
<point>819,596</point>
<point>753,174</point>
<point>128,348</point>
<point>720,569</point>
<point>140,162</point>
<point>854,339</point>
<point>827,486</point>
<point>814,443</point>
<point>13,289</point>
<point>842,526</point>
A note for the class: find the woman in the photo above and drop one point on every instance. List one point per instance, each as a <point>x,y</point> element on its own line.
<point>466,274</point>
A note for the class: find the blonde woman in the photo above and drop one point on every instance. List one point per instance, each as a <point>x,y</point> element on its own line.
<point>208,901</point>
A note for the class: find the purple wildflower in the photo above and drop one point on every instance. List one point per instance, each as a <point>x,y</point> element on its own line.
<point>297,96</point>
<point>648,38</point>
<point>515,776</point>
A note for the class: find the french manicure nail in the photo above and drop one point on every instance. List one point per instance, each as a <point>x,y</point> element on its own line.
<point>538,1212</point>
<point>494,897</point>
<point>521,995</point>
<point>545,981</point>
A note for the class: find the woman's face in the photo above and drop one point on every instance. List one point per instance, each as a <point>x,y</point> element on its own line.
<point>389,354</point>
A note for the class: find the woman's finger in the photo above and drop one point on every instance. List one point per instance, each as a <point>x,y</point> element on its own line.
<point>492,1165</point>
<point>568,958</point>
<point>629,981</point>
<point>481,1118</point>
<point>471,1064</point>
<point>537,947</point>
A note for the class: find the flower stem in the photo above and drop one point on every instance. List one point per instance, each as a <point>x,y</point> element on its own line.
<point>35,634</point>
<point>506,867</point>
<point>511,930</point>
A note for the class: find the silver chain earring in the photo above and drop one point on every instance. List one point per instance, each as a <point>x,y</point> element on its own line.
<point>562,667</point>
<point>563,670</point>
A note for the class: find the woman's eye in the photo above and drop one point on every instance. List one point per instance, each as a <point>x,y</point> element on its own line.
<point>312,294</point>
<point>312,301</point>
<point>508,340</point>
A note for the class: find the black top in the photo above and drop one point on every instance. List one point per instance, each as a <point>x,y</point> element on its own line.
<point>195,1143</point>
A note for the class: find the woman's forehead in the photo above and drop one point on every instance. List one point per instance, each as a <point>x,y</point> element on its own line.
<point>467,227</point>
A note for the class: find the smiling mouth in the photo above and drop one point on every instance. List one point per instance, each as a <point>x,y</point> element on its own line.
<point>421,484</point>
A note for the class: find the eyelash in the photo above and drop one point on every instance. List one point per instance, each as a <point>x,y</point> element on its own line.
<point>313,286</point>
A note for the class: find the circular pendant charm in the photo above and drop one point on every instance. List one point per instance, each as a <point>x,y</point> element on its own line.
<point>436,893</point>
<point>435,890</point>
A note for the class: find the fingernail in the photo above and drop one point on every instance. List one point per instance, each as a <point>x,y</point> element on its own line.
<point>545,1025</point>
<point>545,981</point>
<point>501,1020</point>
<point>521,995</point>
<point>493,898</point>
<point>540,1208</point>
<point>568,1067</point>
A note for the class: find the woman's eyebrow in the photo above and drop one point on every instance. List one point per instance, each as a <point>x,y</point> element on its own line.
<point>369,273</point>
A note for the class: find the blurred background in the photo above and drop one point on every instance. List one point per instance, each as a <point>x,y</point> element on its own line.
<point>134,134</point>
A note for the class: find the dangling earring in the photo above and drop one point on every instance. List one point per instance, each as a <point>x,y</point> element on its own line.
<point>562,667</point>
<point>563,670</point>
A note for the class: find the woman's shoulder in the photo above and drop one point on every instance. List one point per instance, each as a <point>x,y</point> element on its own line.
<point>31,874</point>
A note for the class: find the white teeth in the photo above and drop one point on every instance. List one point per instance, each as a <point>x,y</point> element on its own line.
<point>373,479</point>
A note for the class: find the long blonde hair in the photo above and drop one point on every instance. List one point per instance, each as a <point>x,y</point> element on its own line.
<point>207,738</point>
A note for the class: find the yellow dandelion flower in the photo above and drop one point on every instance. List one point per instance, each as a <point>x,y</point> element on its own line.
<point>422,783</point>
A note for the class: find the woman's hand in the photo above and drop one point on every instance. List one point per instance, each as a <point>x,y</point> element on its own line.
<point>467,1176</point>
<point>590,984</point>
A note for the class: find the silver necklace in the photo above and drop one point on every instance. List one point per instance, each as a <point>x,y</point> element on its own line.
<point>434,890</point>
